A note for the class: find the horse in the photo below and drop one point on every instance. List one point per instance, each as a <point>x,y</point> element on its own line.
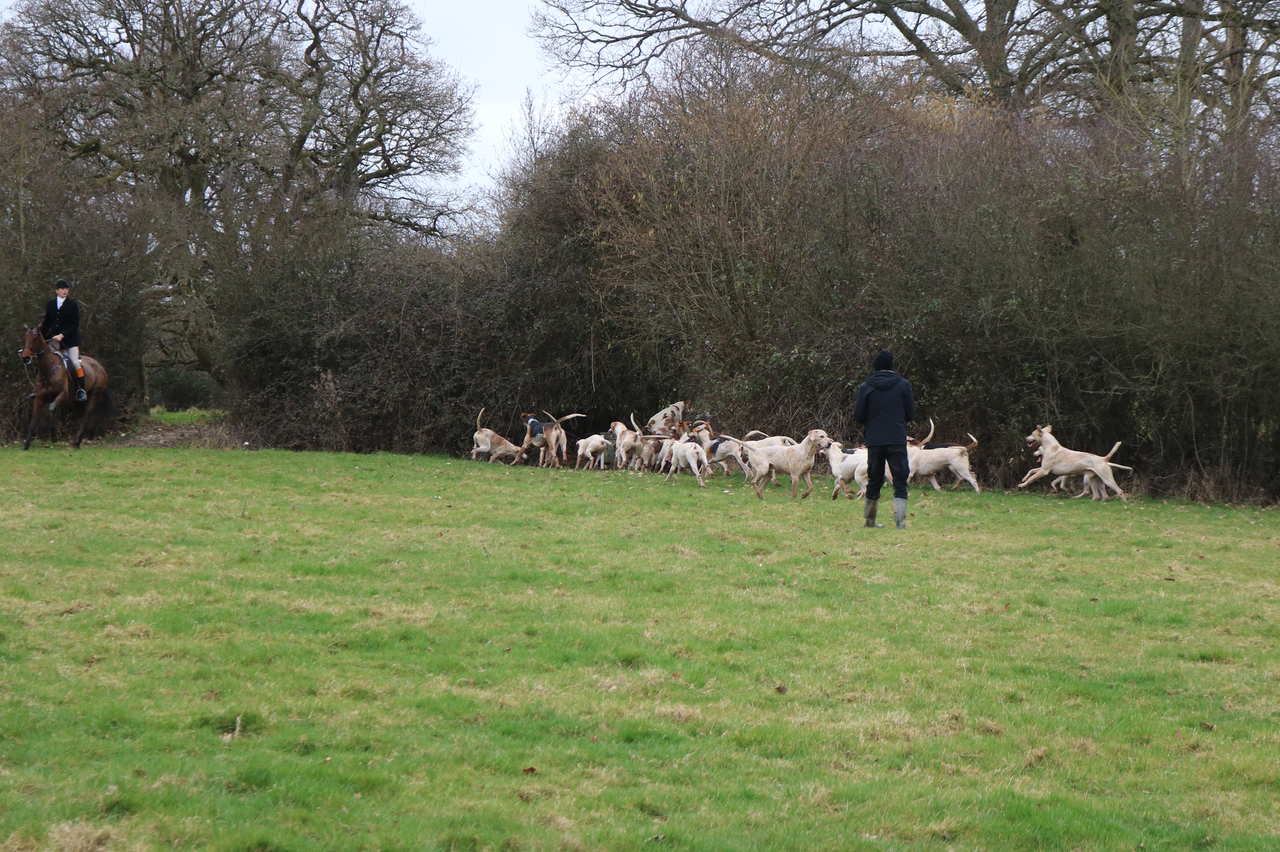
<point>54,386</point>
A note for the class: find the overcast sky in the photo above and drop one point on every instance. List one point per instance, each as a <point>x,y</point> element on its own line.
<point>486,42</point>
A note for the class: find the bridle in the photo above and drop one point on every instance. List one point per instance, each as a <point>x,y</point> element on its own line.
<point>28,353</point>
<point>34,354</point>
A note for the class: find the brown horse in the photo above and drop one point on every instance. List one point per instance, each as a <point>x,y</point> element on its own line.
<point>54,385</point>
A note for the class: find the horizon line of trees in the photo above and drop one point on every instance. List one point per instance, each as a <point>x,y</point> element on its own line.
<point>1081,230</point>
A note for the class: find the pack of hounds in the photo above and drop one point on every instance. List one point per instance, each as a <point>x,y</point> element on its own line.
<point>668,443</point>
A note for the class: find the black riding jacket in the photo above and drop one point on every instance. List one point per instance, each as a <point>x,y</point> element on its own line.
<point>64,321</point>
<point>885,405</point>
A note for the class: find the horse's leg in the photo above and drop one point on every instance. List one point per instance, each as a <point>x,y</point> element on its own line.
<point>94,399</point>
<point>31,431</point>
<point>62,395</point>
<point>35,423</point>
<point>84,422</point>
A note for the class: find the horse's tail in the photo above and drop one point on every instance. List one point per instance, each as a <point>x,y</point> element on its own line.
<point>106,411</point>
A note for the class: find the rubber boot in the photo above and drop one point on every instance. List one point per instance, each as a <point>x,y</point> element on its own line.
<point>81,396</point>
<point>900,512</point>
<point>870,514</point>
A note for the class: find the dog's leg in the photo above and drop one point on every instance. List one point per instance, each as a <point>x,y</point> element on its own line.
<point>1088,487</point>
<point>1033,475</point>
<point>808,485</point>
<point>759,481</point>
<point>1110,482</point>
<point>1100,489</point>
<point>963,474</point>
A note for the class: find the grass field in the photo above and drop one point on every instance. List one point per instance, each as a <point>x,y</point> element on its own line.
<point>279,651</point>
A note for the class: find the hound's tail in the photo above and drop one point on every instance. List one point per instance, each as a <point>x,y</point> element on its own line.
<point>1108,456</point>
<point>971,438</point>
<point>478,416</point>
<point>930,435</point>
<point>561,419</point>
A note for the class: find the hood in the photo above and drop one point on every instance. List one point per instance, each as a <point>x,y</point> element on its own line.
<point>883,380</point>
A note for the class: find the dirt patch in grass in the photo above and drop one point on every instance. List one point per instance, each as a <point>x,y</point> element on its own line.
<point>159,435</point>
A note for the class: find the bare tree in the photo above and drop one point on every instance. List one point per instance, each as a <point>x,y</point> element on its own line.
<point>1074,57</point>
<point>369,115</point>
<point>154,92</point>
<point>219,104</point>
<point>227,121</point>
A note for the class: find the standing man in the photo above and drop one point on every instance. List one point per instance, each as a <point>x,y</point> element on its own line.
<point>62,323</point>
<point>885,404</point>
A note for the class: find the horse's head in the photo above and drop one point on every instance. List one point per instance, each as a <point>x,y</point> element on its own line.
<point>32,345</point>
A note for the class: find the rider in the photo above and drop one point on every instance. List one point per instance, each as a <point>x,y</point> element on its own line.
<point>62,323</point>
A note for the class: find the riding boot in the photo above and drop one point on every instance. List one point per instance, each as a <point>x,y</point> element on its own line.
<point>81,396</point>
<point>900,512</point>
<point>870,514</point>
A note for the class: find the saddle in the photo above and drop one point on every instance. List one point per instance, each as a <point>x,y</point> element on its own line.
<point>56,348</point>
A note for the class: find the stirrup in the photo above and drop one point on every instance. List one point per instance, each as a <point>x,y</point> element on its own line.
<point>81,396</point>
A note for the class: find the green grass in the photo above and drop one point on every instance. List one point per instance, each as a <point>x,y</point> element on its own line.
<point>280,651</point>
<point>192,416</point>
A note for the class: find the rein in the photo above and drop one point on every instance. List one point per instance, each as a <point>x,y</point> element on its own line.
<point>37,357</point>
<point>27,368</point>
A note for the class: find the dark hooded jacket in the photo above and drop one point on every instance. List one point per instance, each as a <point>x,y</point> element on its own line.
<point>885,405</point>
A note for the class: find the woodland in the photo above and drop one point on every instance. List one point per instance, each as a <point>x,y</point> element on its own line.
<point>1051,212</point>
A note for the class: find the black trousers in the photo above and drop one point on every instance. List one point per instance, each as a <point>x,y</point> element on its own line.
<point>896,457</point>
